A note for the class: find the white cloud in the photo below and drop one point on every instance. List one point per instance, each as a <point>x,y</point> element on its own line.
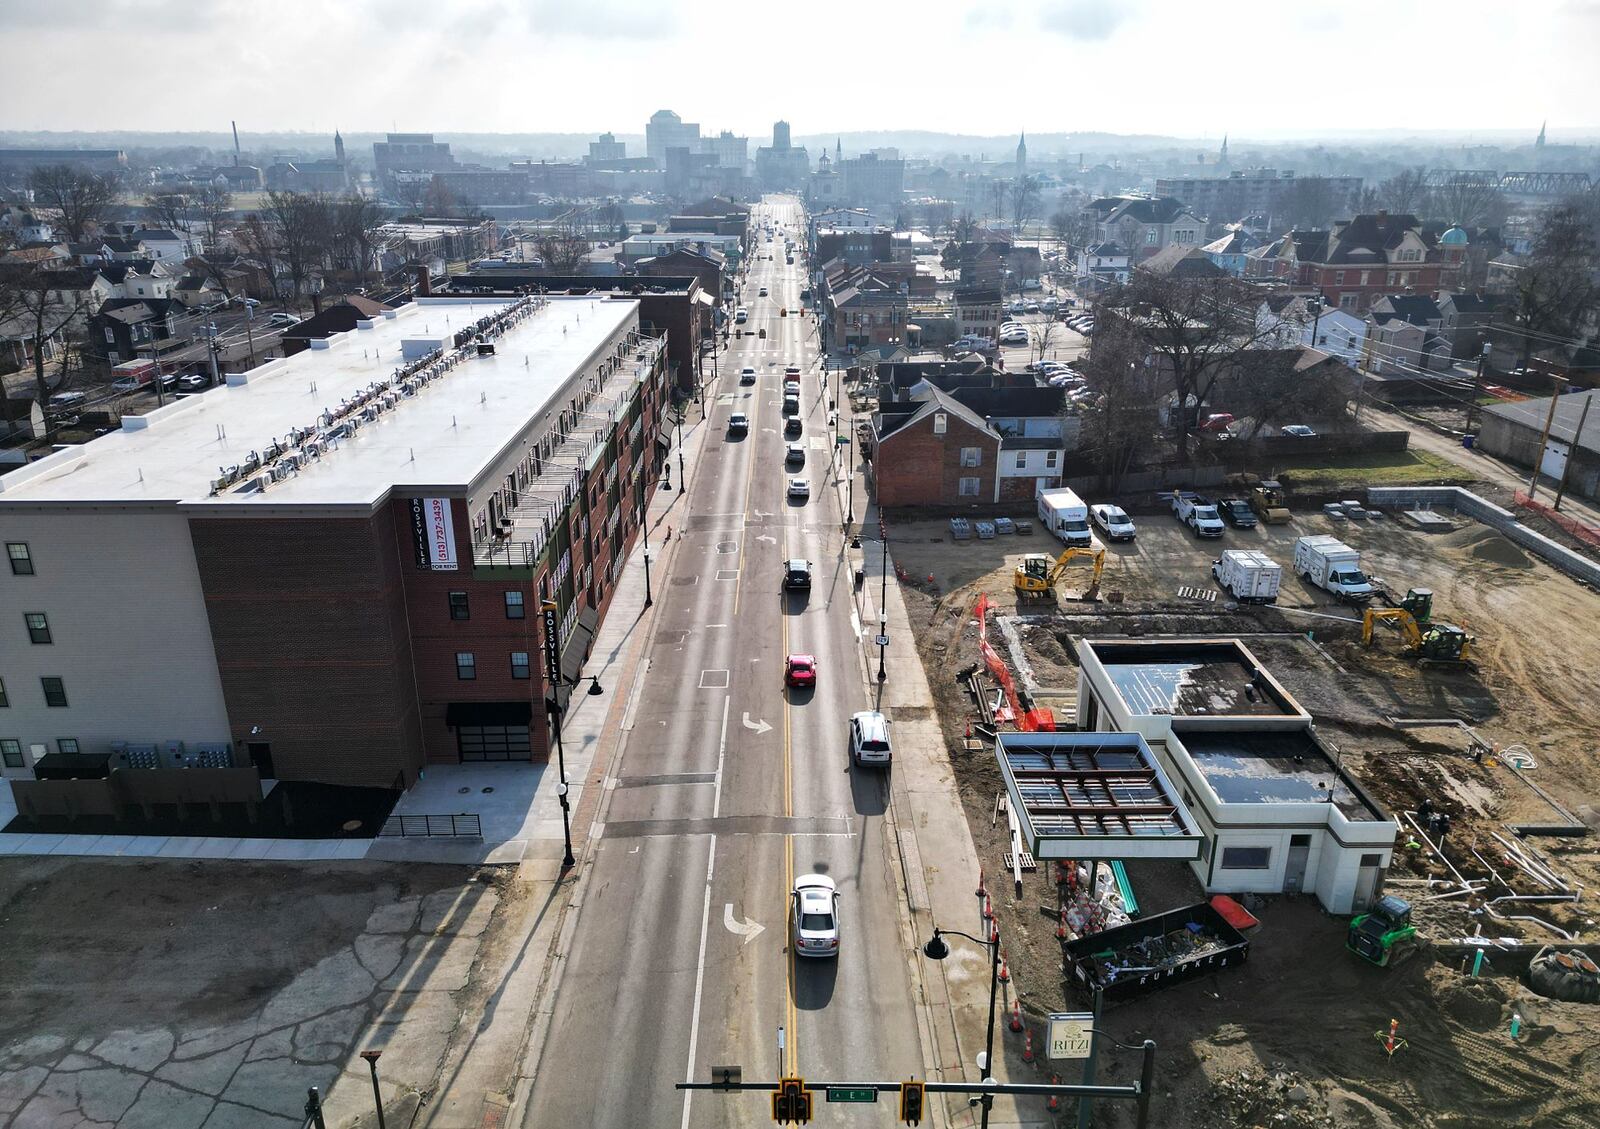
<point>1086,19</point>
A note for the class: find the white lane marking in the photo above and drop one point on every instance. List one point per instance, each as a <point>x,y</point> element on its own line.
<point>748,929</point>
<point>767,538</point>
<point>855,623</point>
<point>699,979</point>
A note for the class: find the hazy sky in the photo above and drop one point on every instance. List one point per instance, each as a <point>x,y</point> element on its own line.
<point>1196,68</point>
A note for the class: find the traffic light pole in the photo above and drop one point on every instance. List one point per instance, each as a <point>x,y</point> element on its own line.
<point>1138,1092</point>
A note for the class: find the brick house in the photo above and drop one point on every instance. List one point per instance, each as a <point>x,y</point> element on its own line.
<point>934,452</point>
<point>1144,224</point>
<point>1360,260</point>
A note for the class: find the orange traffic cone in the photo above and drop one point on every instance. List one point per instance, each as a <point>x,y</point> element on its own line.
<point>1055,1099</point>
<point>1016,1015</point>
<point>1027,1046</point>
<point>994,933</point>
<point>983,891</point>
<point>1005,973</point>
<point>1061,927</point>
<point>988,909</point>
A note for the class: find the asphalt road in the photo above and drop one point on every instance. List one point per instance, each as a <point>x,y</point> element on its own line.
<point>729,788</point>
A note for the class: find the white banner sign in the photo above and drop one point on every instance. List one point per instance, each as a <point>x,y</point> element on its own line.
<point>436,535</point>
<point>1070,1034</point>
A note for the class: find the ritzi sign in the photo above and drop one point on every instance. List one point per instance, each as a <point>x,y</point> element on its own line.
<point>433,529</point>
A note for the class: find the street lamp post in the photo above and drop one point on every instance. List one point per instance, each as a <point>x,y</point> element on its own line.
<point>554,708</point>
<point>681,487</point>
<point>936,949</point>
<point>647,598</point>
<point>883,642</point>
<point>377,1095</point>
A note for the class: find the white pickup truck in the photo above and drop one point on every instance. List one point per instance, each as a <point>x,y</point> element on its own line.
<point>1199,514</point>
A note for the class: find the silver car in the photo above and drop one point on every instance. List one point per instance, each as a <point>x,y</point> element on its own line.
<point>816,916</point>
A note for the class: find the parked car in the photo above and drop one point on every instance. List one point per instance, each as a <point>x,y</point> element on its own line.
<point>794,455</point>
<point>1237,513</point>
<point>800,671</point>
<point>761,293</point>
<point>1113,521</point>
<point>797,573</point>
<point>1215,423</point>
<point>816,916</point>
<point>799,489</point>
<point>869,738</point>
<point>282,319</point>
<point>193,382</point>
<point>740,316</point>
<point>792,427</point>
<point>1298,430</point>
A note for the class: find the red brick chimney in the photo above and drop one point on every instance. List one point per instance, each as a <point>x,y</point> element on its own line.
<point>424,281</point>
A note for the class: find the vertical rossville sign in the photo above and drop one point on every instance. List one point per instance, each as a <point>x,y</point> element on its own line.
<point>552,651</point>
<point>433,529</point>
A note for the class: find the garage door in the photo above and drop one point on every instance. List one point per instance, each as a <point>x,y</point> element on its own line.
<point>494,743</point>
<point>1554,463</point>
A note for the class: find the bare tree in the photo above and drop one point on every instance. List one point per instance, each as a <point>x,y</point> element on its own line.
<point>1024,202</point>
<point>438,200</point>
<point>301,234</point>
<point>213,203</point>
<point>175,212</point>
<point>1368,201</point>
<point>1406,192</point>
<point>355,223</point>
<point>564,248</point>
<point>1061,226</point>
<point>999,193</point>
<point>1555,285</point>
<point>964,228</point>
<point>1467,203</point>
<point>1118,422</point>
<point>937,214</point>
<point>1190,331</point>
<point>77,198</point>
<point>1308,203</point>
<point>1269,388</point>
<point>411,194</point>
<point>42,306</point>
<point>613,220</point>
<point>1043,341</point>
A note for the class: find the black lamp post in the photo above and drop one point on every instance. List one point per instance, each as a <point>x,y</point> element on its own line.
<point>555,709</point>
<point>377,1095</point>
<point>681,486</point>
<point>644,528</point>
<point>883,642</point>
<point>936,949</point>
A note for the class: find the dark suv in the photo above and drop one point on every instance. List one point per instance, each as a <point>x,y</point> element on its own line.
<point>797,574</point>
<point>1237,513</point>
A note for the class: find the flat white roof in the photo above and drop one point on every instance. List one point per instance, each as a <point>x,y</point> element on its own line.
<point>440,439</point>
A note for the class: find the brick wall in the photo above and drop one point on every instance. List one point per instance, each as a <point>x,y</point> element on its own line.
<point>915,467</point>
<point>308,624</point>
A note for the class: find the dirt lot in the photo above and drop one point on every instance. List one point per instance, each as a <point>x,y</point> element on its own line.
<point>1289,1038</point>
<point>215,993</point>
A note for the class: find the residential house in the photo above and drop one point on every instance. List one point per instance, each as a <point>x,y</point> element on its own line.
<point>41,254</point>
<point>25,227</point>
<point>124,325</point>
<point>840,219</point>
<point>933,452</point>
<point>1144,224</point>
<point>352,312</point>
<point>1177,261</point>
<point>124,249</point>
<point>979,310</point>
<point>1514,432</point>
<point>1403,335</point>
<point>1101,265</point>
<point>138,278</point>
<point>1296,319</point>
<point>1466,321</point>
<point>196,290</point>
<point>169,246</point>
<point>866,313</point>
<point>1035,436</point>
<point>1360,260</point>
<point>1232,250</point>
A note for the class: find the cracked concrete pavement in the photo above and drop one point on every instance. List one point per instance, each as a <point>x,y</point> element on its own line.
<point>181,996</point>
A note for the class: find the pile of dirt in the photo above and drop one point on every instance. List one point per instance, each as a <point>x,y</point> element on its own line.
<point>1484,544</point>
<point>1477,1003</point>
<point>1280,1098</point>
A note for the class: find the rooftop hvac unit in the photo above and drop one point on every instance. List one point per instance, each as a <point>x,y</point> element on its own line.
<point>485,348</point>
<point>173,756</point>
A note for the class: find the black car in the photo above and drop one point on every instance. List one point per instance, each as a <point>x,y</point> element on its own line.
<point>797,574</point>
<point>792,427</point>
<point>1237,513</point>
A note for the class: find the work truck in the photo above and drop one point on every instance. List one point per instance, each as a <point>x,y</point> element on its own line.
<point>1198,513</point>
<point>1326,562</point>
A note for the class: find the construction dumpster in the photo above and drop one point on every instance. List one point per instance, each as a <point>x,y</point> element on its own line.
<point>1153,952</point>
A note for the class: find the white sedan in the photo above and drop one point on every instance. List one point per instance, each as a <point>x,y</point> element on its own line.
<point>799,489</point>
<point>816,916</point>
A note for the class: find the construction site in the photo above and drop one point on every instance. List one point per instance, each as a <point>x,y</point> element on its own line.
<point>1332,851</point>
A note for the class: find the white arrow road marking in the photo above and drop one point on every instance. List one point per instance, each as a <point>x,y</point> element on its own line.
<point>758,725</point>
<point>768,539</point>
<point>749,929</point>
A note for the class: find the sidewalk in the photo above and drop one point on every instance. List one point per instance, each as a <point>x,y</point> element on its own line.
<point>939,861</point>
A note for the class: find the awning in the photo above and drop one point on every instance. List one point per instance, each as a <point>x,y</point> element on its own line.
<point>705,298</point>
<point>664,441</point>
<point>457,714</point>
<point>577,645</point>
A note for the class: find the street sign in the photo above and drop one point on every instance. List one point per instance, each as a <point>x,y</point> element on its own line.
<point>852,1094</point>
<point>1070,1034</point>
<point>842,440</point>
<point>882,641</point>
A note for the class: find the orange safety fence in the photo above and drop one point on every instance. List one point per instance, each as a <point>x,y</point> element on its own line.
<point>1029,721</point>
<point>1584,532</point>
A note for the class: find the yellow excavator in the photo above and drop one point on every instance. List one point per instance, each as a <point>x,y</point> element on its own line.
<point>1431,642</point>
<point>1038,575</point>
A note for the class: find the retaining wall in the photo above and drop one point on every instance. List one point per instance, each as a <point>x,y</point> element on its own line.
<point>1466,502</point>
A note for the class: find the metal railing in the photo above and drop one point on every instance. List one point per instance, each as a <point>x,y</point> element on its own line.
<point>466,826</point>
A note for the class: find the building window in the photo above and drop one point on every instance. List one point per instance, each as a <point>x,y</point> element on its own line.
<point>11,752</point>
<point>1246,858</point>
<point>1151,236</point>
<point>1022,460</point>
<point>971,456</point>
<point>55,692</point>
<point>68,745</point>
<point>515,608</point>
<point>969,487</point>
<point>458,606</point>
<point>1050,459</point>
<point>1371,860</point>
<point>38,626</point>
<point>21,559</point>
<point>940,421</point>
<point>466,666</point>
<point>1338,278</point>
<point>519,664</point>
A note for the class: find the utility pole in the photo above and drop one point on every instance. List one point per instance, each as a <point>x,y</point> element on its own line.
<point>1572,451</point>
<point>249,331</point>
<point>1477,384</point>
<point>212,349</point>
<point>1544,437</point>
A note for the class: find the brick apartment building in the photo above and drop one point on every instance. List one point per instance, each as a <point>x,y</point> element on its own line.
<point>331,569</point>
<point>1360,260</point>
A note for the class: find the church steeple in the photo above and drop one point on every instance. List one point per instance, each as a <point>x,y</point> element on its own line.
<point>1539,141</point>
<point>1022,153</point>
<point>838,149</point>
<point>338,147</point>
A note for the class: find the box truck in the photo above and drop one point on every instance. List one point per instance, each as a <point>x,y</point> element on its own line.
<point>1248,575</point>
<point>1330,564</point>
<point>1066,515</point>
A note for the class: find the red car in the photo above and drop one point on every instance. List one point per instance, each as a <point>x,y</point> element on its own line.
<point>801,670</point>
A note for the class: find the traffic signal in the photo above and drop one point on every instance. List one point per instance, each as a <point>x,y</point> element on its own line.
<point>791,1102</point>
<point>911,1094</point>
